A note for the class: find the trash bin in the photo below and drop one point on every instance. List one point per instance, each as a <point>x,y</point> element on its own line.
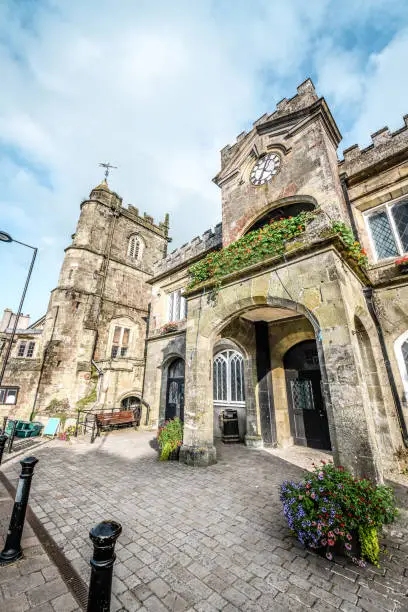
<point>24,429</point>
<point>230,430</point>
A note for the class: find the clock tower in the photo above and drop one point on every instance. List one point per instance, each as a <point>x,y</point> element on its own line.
<point>288,157</point>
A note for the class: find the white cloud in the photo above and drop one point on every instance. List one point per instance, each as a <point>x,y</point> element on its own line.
<point>157,89</point>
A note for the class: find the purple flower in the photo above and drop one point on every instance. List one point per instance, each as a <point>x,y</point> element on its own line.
<point>347,546</point>
<point>329,556</point>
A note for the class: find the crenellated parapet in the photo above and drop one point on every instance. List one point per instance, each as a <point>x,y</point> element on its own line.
<point>196,248</point>
<point>109,198</point>
<point>306,95</point>
<point>385,150</point>
<point>147,220</point>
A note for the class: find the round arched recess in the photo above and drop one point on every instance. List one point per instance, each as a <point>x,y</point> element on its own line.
<point>288,207</point>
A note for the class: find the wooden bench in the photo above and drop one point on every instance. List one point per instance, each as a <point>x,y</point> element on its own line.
<point>114,418</point>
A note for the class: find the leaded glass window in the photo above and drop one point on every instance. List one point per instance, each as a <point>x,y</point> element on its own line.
<point>400,215</point>
<point>228,377</point>
<point>382,235</point>
<point>388,225</point>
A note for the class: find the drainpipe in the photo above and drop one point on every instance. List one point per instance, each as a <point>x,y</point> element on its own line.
<point>343,183</point>
<point>100,375</point>
<point>368,294</point>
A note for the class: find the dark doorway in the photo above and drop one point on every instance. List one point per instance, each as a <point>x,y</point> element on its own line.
<point>130,403</point>
<point>307,413</point>
<point>175,390</point>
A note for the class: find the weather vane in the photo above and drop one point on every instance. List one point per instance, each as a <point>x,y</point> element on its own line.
<point>107,167</point>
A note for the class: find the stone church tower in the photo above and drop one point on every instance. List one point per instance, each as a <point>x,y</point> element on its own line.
<point>95,326</point>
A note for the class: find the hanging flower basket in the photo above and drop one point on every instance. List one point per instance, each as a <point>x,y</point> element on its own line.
<point>402,264</point>
<point>332,512</point>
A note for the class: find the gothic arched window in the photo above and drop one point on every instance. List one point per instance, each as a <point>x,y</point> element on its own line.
<point>135,247</point>
<point>228,377</point>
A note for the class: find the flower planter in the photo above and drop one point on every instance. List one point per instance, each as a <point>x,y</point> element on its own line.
<point>174,455</point>
<point>333,512</point>
<point>340,548</point>
<point>402,265</point>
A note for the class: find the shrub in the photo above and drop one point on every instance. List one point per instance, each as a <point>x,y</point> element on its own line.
<point>331,506</point>
<point>170,437</point>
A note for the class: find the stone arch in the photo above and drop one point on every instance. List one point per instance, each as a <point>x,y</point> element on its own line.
<point>309,201</point>
<point>248,302</point>
<point>169,358</point>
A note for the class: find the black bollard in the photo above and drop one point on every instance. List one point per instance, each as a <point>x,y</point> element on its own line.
<point>3,440</point>
<point>103,537</point>
<point>12,435</point>
<point>12,548</point>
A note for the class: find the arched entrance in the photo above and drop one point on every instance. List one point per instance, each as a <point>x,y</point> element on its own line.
<point>175,390</point>
<point>130,403</point>
<point>307,413</point>
<point>229,388</point>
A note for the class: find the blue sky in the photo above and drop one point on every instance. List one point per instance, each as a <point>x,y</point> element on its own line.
<point>158,88</point>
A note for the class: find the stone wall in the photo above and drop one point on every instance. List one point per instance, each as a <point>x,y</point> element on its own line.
<point>99,286</point>
<point>324,289</point>
<point>161,351</point>
<point>191,251</point>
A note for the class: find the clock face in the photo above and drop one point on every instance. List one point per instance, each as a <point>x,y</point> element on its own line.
<point>265,168</point>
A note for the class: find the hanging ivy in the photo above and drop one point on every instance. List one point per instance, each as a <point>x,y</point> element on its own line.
<point>265,242</point>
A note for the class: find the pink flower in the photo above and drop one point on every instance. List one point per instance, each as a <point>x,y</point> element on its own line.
<point>347,546</point>
<point>330,542</point>
<point>330,534</point>
<point>313,495</point>
<point>324,542</point>
<point>300,497</point>
<point>349,536</point>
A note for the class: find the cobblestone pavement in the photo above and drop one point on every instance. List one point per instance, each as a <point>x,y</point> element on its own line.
<point>33,583</point>
<point>199,539</point>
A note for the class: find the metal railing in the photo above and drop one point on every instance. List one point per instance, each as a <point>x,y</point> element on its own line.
<point>86,419</point>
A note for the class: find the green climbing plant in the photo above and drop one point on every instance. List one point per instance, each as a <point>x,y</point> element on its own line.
<point>265,242</point>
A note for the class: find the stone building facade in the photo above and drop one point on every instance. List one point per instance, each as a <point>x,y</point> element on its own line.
<point>306,345</point>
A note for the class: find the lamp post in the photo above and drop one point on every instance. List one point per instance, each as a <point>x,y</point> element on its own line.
<point>4,237</point>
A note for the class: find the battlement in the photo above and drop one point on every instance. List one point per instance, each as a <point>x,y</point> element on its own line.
<point>306,95</point>
<point>385,144</point>
<point>197,247</point>
<point>103,194</point>
<point>148,220</point>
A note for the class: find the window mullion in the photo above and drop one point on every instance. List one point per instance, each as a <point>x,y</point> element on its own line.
<point>394,228</point>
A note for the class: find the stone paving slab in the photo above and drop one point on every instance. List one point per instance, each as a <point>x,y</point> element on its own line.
<point>33,583</point>
<point>198,539</point>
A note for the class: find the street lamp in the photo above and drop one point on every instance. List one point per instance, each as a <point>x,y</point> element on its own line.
<point>5,237</point>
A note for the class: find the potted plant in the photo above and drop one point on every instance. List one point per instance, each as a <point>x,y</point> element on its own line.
<point>331,511</point>
<point>169,327</point>
<point>402,264</point>
<point>170,438</point>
